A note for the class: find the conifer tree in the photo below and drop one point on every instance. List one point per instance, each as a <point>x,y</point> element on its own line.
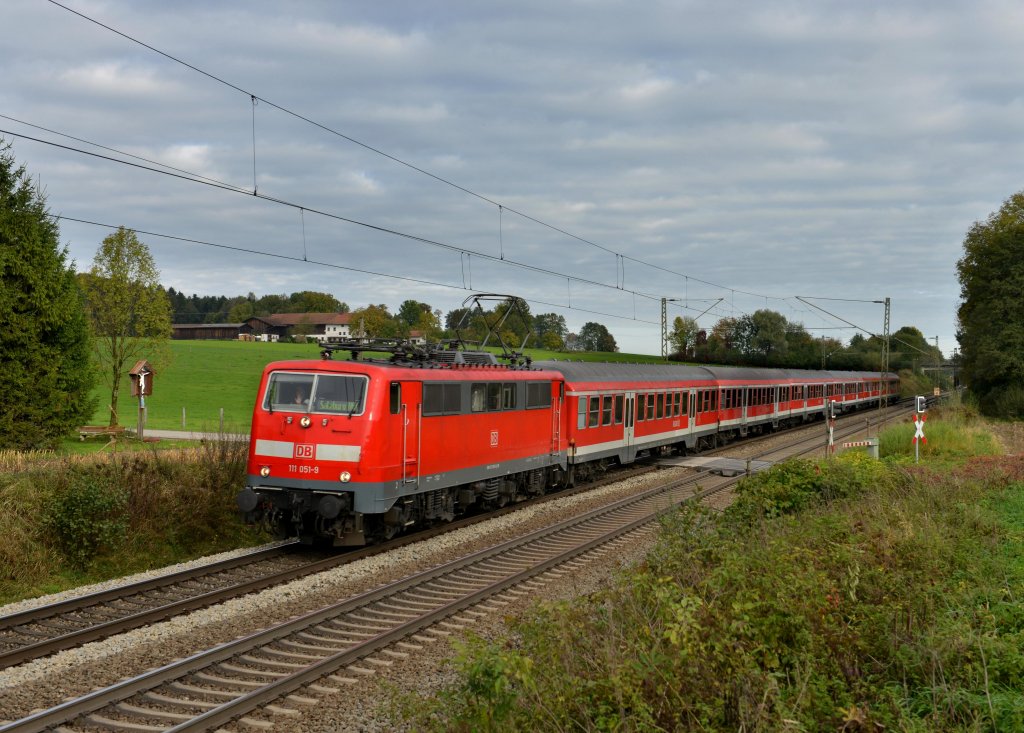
<point>45,372</point>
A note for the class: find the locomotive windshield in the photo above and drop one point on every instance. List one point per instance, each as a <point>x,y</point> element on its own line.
<point>325,393</point>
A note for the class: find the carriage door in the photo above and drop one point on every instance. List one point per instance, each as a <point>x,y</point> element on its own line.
<point>407,396</point>
<point>693,410</point>
<point>628,418</point>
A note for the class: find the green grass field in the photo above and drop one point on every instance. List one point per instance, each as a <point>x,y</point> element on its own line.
<point>204,377</point>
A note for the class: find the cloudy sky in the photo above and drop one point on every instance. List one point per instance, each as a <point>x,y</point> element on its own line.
<point>590,156</point>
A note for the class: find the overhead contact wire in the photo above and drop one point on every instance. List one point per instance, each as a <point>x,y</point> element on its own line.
<point>386,155</point>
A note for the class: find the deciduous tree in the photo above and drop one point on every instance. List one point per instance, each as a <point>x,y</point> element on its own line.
<point>595,337</point>
<point>991,313</point>
<point>44,338</point>
<point>374,321</point>
<point>128,310</point>
<point>684,335</point>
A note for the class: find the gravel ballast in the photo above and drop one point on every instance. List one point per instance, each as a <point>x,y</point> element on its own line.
<point>47,682</point>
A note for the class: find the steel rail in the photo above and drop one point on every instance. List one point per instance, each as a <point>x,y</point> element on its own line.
<point>79,603</point>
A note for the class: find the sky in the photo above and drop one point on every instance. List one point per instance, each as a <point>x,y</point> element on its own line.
<point>591,156</point>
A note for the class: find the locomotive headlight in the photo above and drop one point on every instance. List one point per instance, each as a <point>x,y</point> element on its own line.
<point>264,471</point>
<point>345,477</point>
<point>305,421</point>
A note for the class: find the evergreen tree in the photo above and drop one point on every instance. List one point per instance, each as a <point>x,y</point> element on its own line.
<point>44,336</point>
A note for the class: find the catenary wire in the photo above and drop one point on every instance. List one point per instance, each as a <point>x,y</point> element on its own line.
<point>293,258</point>
<point>256,98</point>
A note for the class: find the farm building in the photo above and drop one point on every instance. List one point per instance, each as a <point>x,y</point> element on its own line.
<point>319,327</point>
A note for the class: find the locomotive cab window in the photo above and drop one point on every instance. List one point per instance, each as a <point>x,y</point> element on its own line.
<point>323,393</point>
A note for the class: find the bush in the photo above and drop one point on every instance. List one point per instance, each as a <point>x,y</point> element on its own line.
<point>891,602</point>
<point>87,515</point>
<point>72,520</point>
<point>794,486</point>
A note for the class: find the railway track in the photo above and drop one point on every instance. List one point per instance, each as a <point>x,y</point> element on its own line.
<point>52,628</point>
<point>326,650</point>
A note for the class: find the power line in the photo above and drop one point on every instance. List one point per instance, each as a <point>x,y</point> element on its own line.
<point>292,258</point>
<point>254,98</point>
<point>338,217</point>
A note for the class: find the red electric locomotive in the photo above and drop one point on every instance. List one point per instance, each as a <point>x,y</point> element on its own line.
<point>356,451</point>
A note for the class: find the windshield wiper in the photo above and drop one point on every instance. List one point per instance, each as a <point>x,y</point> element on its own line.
<point>358,400</point>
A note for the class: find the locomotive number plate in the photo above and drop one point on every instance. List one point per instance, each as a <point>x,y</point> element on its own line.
<point>304,450</point>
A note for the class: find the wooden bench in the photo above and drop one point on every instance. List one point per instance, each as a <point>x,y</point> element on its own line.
<point>90,431</point>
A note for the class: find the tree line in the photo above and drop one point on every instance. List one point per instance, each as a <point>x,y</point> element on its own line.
<point>768,338</point>
<point>544,330</point>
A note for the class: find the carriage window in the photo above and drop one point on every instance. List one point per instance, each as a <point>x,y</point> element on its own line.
<point>619,402</point>
<point>508,396</point>
<point>606,410</point>
<point>442,399</point>
<point>595,412</point>
<point>538,394</point>
<point>485,396</point>
<point>650,407</point>
<point>661,406</point>
<point>677,403</point>
<point>494,396</point>
<point>581,418</point>
<point>478,397</point>
<point>641,407</point>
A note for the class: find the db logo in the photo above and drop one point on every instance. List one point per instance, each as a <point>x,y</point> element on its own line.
<point>494,438</point>
<point>303,450</point>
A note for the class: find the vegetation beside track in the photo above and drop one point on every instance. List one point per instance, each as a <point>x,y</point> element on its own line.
<point>834,595</point>
<point>70,520</point>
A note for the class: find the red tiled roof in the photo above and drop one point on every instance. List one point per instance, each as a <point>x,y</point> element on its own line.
<point>313,319</point>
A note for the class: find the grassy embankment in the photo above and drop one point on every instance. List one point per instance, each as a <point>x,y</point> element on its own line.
<point>68,520</point>
<point>847,595</point>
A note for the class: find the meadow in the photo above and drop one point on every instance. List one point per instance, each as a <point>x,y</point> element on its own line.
<point>205,377</point>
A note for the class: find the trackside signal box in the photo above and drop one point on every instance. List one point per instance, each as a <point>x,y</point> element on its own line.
<point>921,403</point>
